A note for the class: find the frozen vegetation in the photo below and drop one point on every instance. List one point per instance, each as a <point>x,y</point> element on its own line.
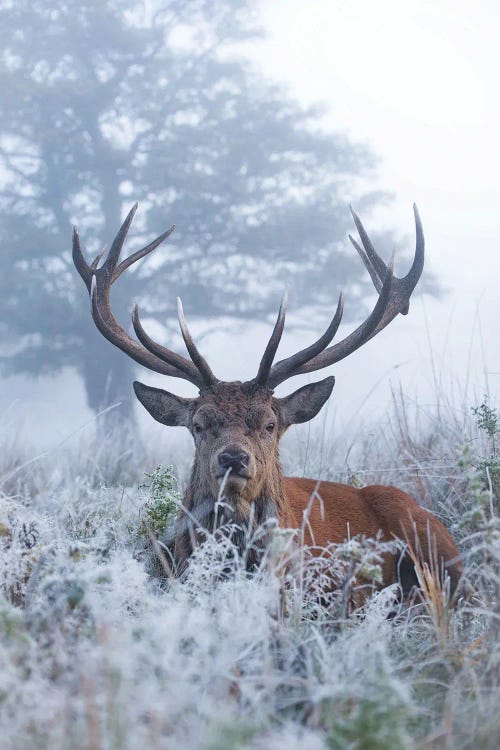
<point>99,648</point>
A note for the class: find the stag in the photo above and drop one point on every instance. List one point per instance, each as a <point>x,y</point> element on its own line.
<point>237,426</point>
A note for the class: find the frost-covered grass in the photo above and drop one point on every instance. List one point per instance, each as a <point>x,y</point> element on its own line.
<point>100,648</point>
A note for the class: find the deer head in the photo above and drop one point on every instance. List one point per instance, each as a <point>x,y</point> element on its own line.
<point>237,426</point>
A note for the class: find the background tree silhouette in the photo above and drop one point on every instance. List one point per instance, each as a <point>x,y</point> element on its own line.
<point>107,103</point>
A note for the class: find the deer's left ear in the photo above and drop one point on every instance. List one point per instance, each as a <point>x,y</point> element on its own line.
<point>304,404</point>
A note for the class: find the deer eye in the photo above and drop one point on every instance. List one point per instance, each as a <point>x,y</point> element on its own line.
<point>270,427</point>
<point>197,428</point>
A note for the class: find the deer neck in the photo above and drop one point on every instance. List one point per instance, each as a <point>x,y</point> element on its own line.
<point>206,510</point>
<point>267,497</point>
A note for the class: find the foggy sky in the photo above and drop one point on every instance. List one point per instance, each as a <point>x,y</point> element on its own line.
<point>418,82</point>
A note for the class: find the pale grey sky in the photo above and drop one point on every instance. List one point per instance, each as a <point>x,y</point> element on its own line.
<point>418,81</point>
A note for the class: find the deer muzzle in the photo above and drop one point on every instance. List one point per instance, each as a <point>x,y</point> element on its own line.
<point>234,466</point>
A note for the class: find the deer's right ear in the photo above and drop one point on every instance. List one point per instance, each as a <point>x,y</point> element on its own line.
<point>164,406</point>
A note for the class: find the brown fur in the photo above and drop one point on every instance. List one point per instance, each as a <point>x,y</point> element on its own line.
<point>238,414</point>
<point>237,426</point>
<point>232,413</point>
<point>345,511</point>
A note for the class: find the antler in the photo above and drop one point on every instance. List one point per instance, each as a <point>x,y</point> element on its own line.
<point>148,352</point>
<point>394,298</point>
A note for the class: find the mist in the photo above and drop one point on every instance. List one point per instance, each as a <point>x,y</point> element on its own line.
<point>410,87</point>
<point>337,588</point>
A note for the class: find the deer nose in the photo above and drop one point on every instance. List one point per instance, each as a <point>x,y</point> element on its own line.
<point>234,459</point>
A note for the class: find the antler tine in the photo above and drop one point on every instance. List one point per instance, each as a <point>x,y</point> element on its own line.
<point>97,258</point>
<point>161,351</point>
<point>394,296</point>
<point>199,361</point>
<point>117,244</point>
<point>377,282</point>
<point>142,253</point>
<point>273,343</point>
<point>372,260</point>
<point>98,281</point>
<point>81,264</point>
<point>282,370</point>
<point>87,271</point>
<point>417,266</point>
<point>376,266</point>
<point>286,368</point>
<point>110,329</point>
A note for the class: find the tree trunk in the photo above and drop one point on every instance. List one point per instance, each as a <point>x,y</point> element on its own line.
<point>108,375</point>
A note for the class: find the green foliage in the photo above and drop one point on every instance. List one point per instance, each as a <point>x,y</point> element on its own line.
<point>478,481</point>
<point>231,736</point>
<point>487,420</point>
<point>489,466</point>
<point>477,508</point>
<point>376,718</point>
<point>11,622</point>
<point>158,512</point>
<point>363,555</point>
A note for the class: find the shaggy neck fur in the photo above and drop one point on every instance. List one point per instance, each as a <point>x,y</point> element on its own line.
<point>205,512</point>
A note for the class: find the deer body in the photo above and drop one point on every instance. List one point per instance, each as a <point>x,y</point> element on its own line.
<point>343,512</point>
<point>237,426</point>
